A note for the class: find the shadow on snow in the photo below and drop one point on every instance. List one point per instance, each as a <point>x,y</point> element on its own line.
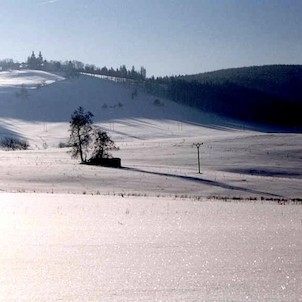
<point>202,181</point>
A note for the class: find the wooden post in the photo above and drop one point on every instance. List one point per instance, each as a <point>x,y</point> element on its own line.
<point>197,145</point>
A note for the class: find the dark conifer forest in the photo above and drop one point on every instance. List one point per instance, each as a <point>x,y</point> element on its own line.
<point>269,94</point>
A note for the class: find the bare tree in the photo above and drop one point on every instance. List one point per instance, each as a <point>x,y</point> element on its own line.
<point>80,133</point>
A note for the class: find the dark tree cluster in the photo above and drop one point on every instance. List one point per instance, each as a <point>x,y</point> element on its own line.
<point>72,68</point>
<point>7,64</point>
<point>88,140</point>
<point>242,100</point>
<point>121,72</point>
<point>13,143</point>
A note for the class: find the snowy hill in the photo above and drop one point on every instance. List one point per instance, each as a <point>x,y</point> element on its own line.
<point>39,104</point>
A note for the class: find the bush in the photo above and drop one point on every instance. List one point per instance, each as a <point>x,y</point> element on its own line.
<point>13,143</point>
<point>64,145</point>
<point>102,144</point>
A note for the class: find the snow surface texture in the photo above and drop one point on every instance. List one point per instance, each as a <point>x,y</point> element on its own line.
<point>146,232</point>
<point>96,248</point>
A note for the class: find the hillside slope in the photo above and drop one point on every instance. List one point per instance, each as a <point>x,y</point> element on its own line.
<point>283,81</point>
<point>270,95</point>
<point>41,96</point>
<point>34,104</point>
<point>37,105</point>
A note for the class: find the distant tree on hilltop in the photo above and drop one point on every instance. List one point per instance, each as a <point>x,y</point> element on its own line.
<point>7,64</point>
<point>72,68</point>
<point>40,59</point>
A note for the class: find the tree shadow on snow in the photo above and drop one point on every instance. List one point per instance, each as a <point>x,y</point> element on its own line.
<point>202,181</point>
<point>266,173</point>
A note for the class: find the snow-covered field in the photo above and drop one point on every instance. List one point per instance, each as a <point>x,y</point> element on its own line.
<point>153,230</point>
<point>232,165</point>
<point>98,248</point>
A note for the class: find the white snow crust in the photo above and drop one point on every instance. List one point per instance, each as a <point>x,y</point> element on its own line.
<point>58,247</point>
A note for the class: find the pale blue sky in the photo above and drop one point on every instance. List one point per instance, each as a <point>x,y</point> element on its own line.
<point>165,36</point>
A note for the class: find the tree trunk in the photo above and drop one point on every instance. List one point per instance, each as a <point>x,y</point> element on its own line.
<point>80,146</point>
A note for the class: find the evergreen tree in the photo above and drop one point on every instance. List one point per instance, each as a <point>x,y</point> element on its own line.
<point>123,71</point>
<point>143,73</point>
<point>132,73</point>
<point>40,59</point>
<point>32,61</point>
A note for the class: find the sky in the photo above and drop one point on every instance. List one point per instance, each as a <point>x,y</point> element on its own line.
<point>167,37</point>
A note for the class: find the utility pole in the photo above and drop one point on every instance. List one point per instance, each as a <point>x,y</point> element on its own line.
<point>197,145</point>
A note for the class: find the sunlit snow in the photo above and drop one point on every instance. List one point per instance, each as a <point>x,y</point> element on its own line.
<point>97,248</point>
<point>155,230</point>
<point>27,78</point>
